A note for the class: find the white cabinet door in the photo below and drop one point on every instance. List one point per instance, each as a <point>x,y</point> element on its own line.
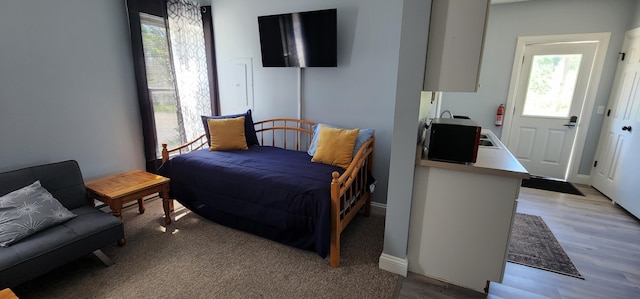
<point>460,225</point>
<point>456,39</point>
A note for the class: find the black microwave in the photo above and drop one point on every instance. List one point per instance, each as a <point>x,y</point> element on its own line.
<point>452,140</point>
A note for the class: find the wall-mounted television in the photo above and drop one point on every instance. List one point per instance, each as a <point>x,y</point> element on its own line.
<point>300,39</point>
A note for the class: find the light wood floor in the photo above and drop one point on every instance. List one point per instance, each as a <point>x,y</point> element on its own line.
<point>602,240</point>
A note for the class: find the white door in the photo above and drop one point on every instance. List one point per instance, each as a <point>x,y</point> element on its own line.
<point>616,165</point>
<point>554,78</point>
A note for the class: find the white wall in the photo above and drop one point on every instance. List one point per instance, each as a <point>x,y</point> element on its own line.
<point>360,92</point>
<point>67,89</point>
<point>542,17</point>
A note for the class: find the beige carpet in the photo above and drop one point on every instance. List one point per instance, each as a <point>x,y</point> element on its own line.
<point>196,258</point>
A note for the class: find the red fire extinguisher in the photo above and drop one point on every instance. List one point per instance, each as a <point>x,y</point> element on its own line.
<point>500,115</point>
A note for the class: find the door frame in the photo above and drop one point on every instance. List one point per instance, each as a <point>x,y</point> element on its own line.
<point>602,39</point>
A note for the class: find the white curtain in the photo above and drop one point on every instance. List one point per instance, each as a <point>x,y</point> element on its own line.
<point>190,64</point>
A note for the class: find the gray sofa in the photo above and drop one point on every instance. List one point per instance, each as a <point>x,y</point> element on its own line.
<point>45,250</point>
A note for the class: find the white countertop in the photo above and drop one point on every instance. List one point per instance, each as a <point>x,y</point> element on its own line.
<point>491,160</point>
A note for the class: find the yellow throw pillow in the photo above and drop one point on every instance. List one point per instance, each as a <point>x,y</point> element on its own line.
<point>227,134</point>
<point>335,146</point>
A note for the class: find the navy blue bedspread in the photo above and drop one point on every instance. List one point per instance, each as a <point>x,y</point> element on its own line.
<point>268,191</point>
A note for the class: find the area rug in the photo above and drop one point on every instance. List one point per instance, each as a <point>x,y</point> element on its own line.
<point>533,244</point>
<point>551,185</point>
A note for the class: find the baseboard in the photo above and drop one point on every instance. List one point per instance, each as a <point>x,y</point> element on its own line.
<point>378,208</point>
<point>393,264</point>
<point>582,179</point>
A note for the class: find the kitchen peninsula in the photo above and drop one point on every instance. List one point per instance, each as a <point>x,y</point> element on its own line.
<point>461,216</point>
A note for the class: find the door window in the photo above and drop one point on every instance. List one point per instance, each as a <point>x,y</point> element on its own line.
<point>551,85</point>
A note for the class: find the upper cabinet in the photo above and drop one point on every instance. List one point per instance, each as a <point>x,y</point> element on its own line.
<point>456,38</point>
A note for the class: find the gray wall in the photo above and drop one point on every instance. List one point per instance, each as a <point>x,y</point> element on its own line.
<point>413,49</point>
<point>360,92</point>
<point>542,17</point>
<point>636,16</point>
<point>67,89</point>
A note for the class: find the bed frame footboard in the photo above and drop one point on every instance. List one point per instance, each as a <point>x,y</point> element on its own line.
<point>350,192</point>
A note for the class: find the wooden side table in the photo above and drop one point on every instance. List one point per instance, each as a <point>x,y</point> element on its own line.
<point>129,186</point>
<point>7,294</point>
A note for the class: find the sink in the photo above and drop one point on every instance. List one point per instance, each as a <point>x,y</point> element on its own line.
<point>487,141</point>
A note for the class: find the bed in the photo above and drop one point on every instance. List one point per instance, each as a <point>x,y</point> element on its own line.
<point>274,189</point>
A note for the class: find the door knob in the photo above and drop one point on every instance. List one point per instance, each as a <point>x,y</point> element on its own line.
<point>626,128</point>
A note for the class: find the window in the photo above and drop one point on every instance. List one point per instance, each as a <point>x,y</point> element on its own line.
<point>174,65</point>
<point>161,82</point>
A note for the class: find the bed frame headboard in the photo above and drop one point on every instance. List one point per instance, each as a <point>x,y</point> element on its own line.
<point>288,133</point>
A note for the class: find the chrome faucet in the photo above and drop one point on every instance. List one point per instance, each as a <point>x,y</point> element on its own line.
<point>446,111</point>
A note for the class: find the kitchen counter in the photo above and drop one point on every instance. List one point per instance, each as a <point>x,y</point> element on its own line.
<point>496,160</point>
<point>461,216</point>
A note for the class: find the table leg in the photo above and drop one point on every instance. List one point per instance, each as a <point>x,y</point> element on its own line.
<point>141,206</point>
<point>116,208</point>
<point>90,198</point>
<point>167,204</point>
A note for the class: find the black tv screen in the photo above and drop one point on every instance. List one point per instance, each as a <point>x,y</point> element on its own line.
<point>301,39</point>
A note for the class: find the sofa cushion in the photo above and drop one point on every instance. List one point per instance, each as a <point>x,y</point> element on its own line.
<point>91,226</point>
<point>45,250</point>
<point>28,210</point>
<point>62,179</point>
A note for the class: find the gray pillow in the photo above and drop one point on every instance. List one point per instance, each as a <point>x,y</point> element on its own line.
<point>29,210</point>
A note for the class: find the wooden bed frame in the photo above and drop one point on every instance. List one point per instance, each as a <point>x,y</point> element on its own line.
<point>349,190</point>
